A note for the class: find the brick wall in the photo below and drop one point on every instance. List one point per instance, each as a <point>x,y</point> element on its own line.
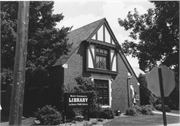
<point>76,66</point>
<point>119,87</point>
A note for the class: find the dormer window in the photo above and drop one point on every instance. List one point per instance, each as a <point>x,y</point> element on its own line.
<point>102,58</point>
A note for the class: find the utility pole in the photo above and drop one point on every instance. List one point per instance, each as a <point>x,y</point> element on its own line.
<point>17,93</point>
<point>0,61</point>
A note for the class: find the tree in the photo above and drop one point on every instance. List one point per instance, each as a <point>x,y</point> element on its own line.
<point>146,95</point>
<point>158,35</point>
<point>45,42</point>
<point>85,85</point>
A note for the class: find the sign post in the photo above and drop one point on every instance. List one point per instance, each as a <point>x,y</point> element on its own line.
<point>161,82</point>
<point>162,95</point>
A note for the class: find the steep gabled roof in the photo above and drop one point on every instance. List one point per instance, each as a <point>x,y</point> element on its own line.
<point>76,37</point>
<point>85,33</point>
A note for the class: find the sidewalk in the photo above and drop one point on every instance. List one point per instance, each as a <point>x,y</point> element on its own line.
<point>167,113</point>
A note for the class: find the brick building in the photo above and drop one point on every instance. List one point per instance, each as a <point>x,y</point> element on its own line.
<point>97,55</point>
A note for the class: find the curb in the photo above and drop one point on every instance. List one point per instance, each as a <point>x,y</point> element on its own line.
<point>167,113</point>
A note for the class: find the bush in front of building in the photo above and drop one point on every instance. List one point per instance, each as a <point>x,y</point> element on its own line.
<point>95,112</point>
<point>147,110</point>
<point>159,107</point>
<point>140,110</point>
<point>48,115</point>
<point>107,113</point>
<point>131,111</point>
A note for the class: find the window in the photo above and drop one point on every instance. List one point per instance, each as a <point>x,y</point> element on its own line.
<point>103,91</point>
<point>101,60</point>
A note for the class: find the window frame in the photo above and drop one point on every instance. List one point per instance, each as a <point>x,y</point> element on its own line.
<point>107,56</point>
<point>104,102</point>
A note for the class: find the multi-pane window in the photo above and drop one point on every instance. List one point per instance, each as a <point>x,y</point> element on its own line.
<point>103,91</point>
<point>102,58</point>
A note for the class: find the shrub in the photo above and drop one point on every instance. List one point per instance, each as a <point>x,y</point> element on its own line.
<point>138,109</point>
<point>151,107</point>
<point>70,114</point>
<point>159,107</point>
<point>146,110</point>
<point>95,112</point>
<point>142,110</point>
<point>131,112</point>
<point>107,113</point>
<point>48,115</point>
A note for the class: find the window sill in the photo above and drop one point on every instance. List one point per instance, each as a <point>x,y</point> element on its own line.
<point>101,71</point>
<point>105,106</point>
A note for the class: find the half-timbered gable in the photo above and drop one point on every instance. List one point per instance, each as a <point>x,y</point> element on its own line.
<point>101,51</point>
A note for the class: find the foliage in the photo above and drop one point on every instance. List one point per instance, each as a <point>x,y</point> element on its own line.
<point>70,114</point>
<point>145,92</point>
<point>159,107</point>
<point>158,34</point>
<point>131,112</point>
<point>46,43</point>
<point>48,115</point>
<point>85,85</point>
<point>6,77</point>
<point>107,113</point>
<point>95,112</point>
<point>147,110</point>
<point>172,101</point>
<point>140,110</point>
<point>150,107</point>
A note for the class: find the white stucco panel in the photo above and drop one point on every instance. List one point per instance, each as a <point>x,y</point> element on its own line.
<point>100,34</point>
<point>113,60</point>
<point>107,36</point>
<point>89,59</point>
<point>90,56</point>
<point>114,64</point>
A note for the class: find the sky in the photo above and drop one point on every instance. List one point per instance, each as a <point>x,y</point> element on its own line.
<point>78,13</point>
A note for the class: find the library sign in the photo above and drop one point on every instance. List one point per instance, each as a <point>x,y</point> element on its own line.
<point>76,100</point>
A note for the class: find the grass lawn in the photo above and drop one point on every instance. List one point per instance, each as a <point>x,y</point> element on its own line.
<point>147,120</point>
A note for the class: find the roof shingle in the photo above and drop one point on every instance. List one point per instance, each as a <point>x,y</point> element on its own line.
<point>76,37</point>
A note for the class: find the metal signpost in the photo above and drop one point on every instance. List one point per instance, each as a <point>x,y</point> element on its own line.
<point>161,82</point>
